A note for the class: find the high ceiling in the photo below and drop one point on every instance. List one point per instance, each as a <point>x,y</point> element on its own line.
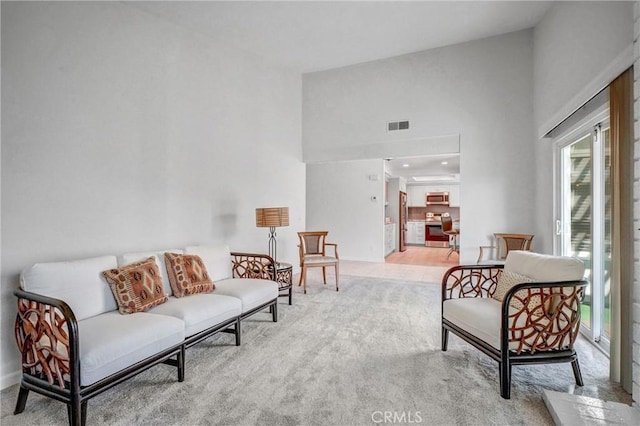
<point>311,36</point>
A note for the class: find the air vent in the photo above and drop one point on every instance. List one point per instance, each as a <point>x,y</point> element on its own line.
<point>392,126</point>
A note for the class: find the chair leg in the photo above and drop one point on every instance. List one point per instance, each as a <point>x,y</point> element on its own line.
<point>290,294</point>
<point>324,275</point>
<point>22,400</point>
<point>77,412</point>
<point>274,312</point>
<point>300,280</point>
<point>337,287</point>
<point>505,379</point>
<point>576,372</point>
<point>304,278</point>
<point>238,332</point>
<point>445,339</point>
<point>180,359</point>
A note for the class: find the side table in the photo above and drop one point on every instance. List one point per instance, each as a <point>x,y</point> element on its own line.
<point>284,278</point>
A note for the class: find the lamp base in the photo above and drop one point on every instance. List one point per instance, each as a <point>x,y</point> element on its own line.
<point>273,244</point>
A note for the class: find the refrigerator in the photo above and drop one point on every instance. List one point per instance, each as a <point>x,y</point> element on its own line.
<point>404,212</point>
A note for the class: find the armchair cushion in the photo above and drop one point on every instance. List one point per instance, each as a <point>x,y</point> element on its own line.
<point>314,259</point>
<point>136,287</point>
<point>479,317</point>
<point>543,267</point>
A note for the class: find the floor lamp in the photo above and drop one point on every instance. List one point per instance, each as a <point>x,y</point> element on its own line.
<point>272,218</point>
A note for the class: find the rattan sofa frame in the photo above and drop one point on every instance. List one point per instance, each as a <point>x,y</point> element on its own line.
<point>62,381</point>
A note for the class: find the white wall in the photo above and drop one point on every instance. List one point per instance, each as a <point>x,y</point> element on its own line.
<point>122,132</point>
<point>339,200</point>
<point>579,48</point>
<point>481,91</point>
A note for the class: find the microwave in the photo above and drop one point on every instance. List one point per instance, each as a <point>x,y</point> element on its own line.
<point>437,198</point>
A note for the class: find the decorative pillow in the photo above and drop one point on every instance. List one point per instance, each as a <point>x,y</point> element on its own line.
<point>509,279</point>
<point>136,287</point>
<point>187,274</point>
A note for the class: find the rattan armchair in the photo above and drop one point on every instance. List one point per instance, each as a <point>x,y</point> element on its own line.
<point>313,254</point>
<point>536,322</point>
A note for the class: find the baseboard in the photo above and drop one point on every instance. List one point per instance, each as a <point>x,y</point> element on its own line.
<point>9,379</point>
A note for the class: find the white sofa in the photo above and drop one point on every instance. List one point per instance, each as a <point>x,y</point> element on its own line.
<point>75,344</point>
<point>526,311</point>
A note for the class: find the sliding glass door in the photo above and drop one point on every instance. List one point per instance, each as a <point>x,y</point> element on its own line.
<point>583,224</point>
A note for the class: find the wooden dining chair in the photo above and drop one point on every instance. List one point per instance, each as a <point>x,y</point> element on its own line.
<point>504,243</point>
<point>312,250</point>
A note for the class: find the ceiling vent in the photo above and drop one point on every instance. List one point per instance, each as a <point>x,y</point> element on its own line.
<point>392,126</point>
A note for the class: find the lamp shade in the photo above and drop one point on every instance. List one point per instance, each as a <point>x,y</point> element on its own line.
<point>272,217</point>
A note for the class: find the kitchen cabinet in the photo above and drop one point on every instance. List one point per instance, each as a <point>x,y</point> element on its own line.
<point>411,232</point>
<point>420,233</point>
<point>416,196</point>
<point>454,196</point>
<point>389,238</point>
<point>415,233</point>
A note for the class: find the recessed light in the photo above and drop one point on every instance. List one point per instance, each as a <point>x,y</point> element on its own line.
<point>444,163</point>
<point>405,165</point>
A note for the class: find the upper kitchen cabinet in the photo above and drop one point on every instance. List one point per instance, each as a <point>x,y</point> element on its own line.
<point>416,196</point>
<point>454,196</point>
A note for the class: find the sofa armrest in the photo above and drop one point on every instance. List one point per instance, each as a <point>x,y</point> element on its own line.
<point>253,265</point>
<point>470,281</point>
<point>541,316</point>
<point>46,333</point>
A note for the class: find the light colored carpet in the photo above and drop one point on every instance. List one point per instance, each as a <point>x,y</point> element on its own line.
<point>333,359</point>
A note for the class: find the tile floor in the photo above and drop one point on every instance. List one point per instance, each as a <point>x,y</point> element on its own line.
<point>393,271</point>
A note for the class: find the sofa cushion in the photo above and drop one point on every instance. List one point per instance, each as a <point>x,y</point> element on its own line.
<point>217,259</point>
<point>111,342</point>
<point>137,287</point>
<point>128,258</point>
<point>79,283</point>
<point>187,274</point>
<point>200,311</point>
<point>543,267</point>
<point>252,292</point>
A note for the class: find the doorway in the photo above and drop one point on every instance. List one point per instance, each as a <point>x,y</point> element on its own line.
<point>419,176</point>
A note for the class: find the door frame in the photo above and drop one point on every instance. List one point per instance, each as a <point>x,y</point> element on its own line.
<point>583,127</point>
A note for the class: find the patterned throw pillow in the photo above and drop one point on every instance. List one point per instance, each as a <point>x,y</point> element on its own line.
<point>136,287</point>
<point>187,274</point>
<point>509,279</point>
